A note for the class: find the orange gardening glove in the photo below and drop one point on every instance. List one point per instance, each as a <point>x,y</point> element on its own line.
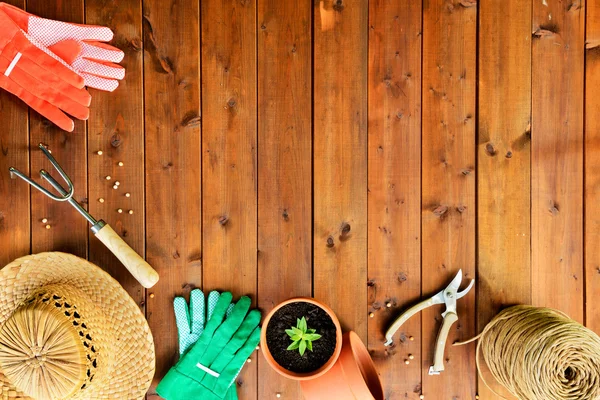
<point>83,47</point>
<point>39,77</point>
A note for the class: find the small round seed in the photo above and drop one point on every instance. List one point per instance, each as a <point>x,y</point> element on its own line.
<point>120,164</point>
<point>99,152</point>
<point>421,397</point>
<point>412,339</point>
<point>249,361</point>
<point>406,362</point>
<point>371,315</point>
<point>107,177</point>
<point>130,212</point>
<point>127,194</point>
<point>151,295</point>
<point>411,357</point>
<point>101,200</point>
<point>278,395</point>
<point>44,220</point>
<point>115,187</point>
<point>48,227</point>
<point>388,304</point>
<point>117,183</point>
<point>120,210</point>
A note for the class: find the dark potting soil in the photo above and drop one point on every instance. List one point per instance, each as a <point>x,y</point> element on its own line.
<point>278,341</point>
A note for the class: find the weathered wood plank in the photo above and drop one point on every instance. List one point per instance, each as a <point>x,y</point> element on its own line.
<point>116,127</point>
<point>15,224</point>
<point>557,156</point>
<point>504,152</point>
<point>69,230</point>
<point>284,166</point>
<point>592,166</point>
<point>394,196</point>
<point>448,195</point>
<point>340,160</point>
<point>229,119</point>
<point>173,186</point>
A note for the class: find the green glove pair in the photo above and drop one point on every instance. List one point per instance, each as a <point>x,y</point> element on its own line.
<point>218,348</point>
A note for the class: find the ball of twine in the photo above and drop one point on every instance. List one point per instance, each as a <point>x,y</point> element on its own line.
<point>540,353</point>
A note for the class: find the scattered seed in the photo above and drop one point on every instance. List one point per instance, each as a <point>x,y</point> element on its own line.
<point>151,295</point>
<point>120,210</point>
<point>48,227</point>
<point>108,178</point>
<point>115,187</point>
<point>130,212</point>
<point>101,200</point>
<point>249,361</point>
<point>421,397</point>
<point>120,164</point>
<point>117,183</point>
<point>406,362</point>
<point>44,220</point>
<point>257,347</point>
<point>99,152</point>
<point>371,315</point>
<point>278,395</point>
<point>388,304</point>
<point>411,338</point>
<point>411,357</point>
<point>127,194</point>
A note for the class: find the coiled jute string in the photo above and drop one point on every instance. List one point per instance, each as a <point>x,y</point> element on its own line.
<point>541,354</point>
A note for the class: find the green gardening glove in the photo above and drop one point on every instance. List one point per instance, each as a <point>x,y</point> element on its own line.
<point>208,370</point>
<point>191,321</point>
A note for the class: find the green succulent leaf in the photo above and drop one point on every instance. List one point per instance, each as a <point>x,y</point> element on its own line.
<point>290,333</point>
<point>294,345</point>
<point>309,345</point>
<point>297,337</point>
<point>311,330</point>
<point>297,331</point>
<point>302,324</point>
<point>302,347</point>
<point>311,337</point>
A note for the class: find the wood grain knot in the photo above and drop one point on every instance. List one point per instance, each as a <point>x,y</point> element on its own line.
<point>223,220</point>
<point>330,242</point>
<point>338,5</point>
<point>490,149</point>
<point>440,211</point>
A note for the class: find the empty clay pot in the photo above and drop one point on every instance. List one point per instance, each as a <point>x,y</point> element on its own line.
<point>353,377</point>
<point>295,375</point>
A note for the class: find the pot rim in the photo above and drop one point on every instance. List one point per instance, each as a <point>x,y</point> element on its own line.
<point>305,375</point>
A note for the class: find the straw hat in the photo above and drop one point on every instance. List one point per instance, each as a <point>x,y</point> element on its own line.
<point>68,330</point>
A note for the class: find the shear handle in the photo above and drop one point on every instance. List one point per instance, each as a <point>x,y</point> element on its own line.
<point>406,316</point>
<point>440,345</point>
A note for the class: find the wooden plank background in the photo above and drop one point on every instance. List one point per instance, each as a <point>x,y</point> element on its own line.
<point>359,151</point>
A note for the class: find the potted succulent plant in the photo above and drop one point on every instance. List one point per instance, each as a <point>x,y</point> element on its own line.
<point>301,338</point>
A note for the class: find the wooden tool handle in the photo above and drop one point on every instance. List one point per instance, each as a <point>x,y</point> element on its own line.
<point>140,269</point>
<point>405,317</point>
<point>440,346</point>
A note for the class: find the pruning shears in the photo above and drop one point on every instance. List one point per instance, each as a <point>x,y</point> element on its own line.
<point>448,296</point>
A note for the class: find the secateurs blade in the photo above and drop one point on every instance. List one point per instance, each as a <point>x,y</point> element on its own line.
<point>140,269</point>
<point>448,296</point>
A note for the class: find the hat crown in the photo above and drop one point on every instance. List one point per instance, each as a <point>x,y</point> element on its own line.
<point>47,346</point>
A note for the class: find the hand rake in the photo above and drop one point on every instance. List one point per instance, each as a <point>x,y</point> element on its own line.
<point>140,269</point>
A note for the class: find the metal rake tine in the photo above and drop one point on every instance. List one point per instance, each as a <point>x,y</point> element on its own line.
<point>72,201</point>
<point>65,194</point>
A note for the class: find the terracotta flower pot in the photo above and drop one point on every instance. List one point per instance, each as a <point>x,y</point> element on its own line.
<point>295,375</point>
<point>353,377</point>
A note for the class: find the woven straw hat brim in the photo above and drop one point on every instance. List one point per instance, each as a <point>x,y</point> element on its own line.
<point>132,352</point>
